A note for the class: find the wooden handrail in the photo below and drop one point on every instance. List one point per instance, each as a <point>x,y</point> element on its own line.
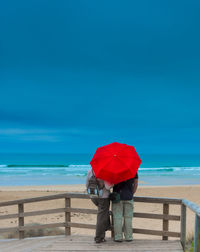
<point>86,196</point>
<point>173,201</point>
<point>165,216</point>
<point>44,198</point>
<point>196,209</point>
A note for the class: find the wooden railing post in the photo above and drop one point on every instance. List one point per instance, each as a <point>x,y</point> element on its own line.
<point>67,217</point>
<point>197,234</point>
<point>183,226</point>
<point>165,222</point>
<point>21,220</point>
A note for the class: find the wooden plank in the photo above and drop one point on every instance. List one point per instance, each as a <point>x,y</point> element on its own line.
<point>21,245</point>
<point>183,225</point>
<point>51,225</point>
<point>81,225</point>
<point>9,216</point>
<point>87,211</point>
<point>91,226</point>
<point>194,207</point>
<point>21,221</point>
<point>156,232</point>
<point>11,229</point>
<point>67,216</point>
<point>79,247</point>
<point>34,213</point>
<point>44,212</point>
<point>165,222</point>
<point>197,234</point>
<point>61,210</point>
<point>81,210</point>
<point>157,216</point>
<point>102,250</point>
<point>111,244</point>
<point>86,243</point>
<point>45,198</point>
<point>49,211</point>
<point>26,245</point>
<point>158,200</point>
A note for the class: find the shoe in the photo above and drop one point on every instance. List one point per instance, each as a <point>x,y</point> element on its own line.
<point>128,240</point>
<point>99,240</point>
<point>118,240</point>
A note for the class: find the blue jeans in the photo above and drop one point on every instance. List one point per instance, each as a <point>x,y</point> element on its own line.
<point>122,218</point>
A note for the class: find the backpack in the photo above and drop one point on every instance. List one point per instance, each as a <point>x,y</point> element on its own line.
<point>95,186</point>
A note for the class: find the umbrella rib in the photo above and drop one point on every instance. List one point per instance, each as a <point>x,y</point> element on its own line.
<point>132,157</point>
<point>122,149</point>
<point>107,163</point>
<point>123,162</point>
<point>128,156</point>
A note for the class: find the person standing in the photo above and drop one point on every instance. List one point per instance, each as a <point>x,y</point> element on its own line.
<point>103,204</point>
<point>123,210</point>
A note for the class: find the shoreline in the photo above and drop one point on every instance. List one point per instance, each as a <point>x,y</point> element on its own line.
<point>78,187</point>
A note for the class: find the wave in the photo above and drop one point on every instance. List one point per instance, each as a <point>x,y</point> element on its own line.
<point>82,169</point>
<point>3,166</point>
<point>157,169</point>
<point>87,166</point>
<point>44,165</point>
<point>37,165</point>
<point>42,170</point>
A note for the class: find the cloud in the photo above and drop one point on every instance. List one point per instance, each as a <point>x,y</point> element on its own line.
<point>44,134</point>
<point>29,135</point>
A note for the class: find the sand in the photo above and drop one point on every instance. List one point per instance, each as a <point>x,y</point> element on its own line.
<point>191,192</point>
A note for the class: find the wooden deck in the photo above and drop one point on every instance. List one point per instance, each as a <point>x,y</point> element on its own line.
<point>86,243</point>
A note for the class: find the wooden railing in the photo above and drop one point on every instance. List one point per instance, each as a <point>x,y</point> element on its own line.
<point>196,209</point>
<point>67,210</point>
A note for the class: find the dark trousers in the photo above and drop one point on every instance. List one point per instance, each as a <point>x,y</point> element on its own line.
<point>103,218</point>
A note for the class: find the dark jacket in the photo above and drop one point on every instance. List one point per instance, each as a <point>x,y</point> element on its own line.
<point>125,188</point>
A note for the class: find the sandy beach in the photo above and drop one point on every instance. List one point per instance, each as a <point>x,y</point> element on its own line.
<point>12,193</point>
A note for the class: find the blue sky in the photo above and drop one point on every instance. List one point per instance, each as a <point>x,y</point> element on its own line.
<point>75,75</point>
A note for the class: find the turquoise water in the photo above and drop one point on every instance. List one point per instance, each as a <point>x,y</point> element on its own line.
<point>60,169</point>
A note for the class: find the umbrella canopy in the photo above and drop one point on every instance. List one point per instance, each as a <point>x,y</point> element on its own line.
<point>115,162</point>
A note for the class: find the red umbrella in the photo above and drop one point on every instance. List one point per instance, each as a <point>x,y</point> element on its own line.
<point>115,162</point>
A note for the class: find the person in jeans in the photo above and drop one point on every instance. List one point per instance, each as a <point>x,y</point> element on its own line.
<point>103,204</point>
<point>123,210</point>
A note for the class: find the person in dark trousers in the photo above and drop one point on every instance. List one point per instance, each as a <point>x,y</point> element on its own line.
<point>123,210</point>
<point>103,204</point>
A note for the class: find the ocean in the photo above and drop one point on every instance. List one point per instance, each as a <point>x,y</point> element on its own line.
<point>61,169</point>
